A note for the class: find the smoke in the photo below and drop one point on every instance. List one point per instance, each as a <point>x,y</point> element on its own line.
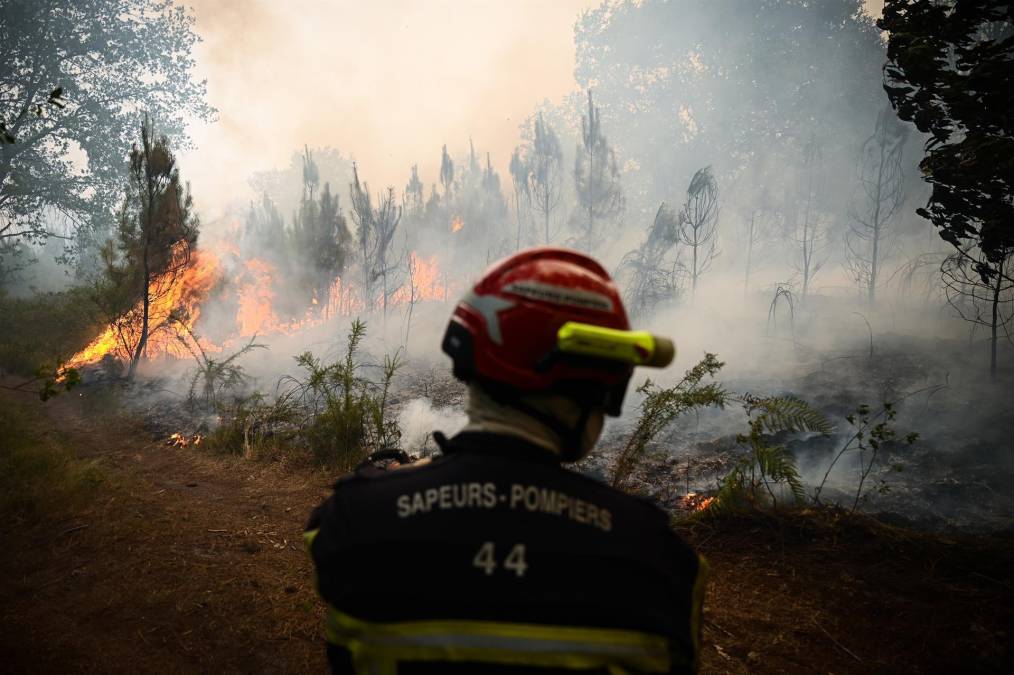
<point>786,319</point>
<point>418,419</point>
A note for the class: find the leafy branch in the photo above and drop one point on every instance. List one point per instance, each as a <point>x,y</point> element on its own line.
<point>661,406</point>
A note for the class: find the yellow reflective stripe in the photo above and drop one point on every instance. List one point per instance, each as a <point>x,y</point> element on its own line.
<point>697,607</point>
<point>375,647</point>
<point>309,536</point>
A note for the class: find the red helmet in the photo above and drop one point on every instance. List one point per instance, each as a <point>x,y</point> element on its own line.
<point>504,331</point>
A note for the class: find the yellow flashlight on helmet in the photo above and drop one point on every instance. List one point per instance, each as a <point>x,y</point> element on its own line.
<point>637,348</point>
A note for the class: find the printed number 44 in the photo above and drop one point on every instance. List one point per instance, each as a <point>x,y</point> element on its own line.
<point>485,559</point>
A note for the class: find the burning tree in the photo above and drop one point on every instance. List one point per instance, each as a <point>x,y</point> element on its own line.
<point>596,176</point>
<point>698,223</point>
<point>881,193</point>
<point>156,231</point>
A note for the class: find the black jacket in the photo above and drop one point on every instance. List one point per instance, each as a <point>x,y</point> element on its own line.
<point>495,558</point>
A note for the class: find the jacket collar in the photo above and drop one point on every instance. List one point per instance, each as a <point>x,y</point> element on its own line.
<point>500,445</point>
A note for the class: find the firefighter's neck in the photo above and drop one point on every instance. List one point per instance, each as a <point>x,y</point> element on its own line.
<point>488,415</point>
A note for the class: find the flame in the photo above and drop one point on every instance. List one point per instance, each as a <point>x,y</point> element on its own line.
<point>255,314</point>
<point>426,282</point>
<point>695,502</point>
<point>180,440</point>
<point>456,224</point>
<point>177,306</point>
<point>182,295</point>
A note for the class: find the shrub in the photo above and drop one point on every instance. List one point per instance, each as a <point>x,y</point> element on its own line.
<point>758,476</point>
<point>661,406</point>
<point>341,412</point>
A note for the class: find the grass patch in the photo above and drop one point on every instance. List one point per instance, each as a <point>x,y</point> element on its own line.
<point>45,328</point>
<point>39,473</point>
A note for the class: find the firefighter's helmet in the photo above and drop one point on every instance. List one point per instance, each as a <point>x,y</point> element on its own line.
<point>549,320</point>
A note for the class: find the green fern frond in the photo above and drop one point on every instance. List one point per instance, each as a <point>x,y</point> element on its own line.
<point>787,413</point>
<point>775,463</point>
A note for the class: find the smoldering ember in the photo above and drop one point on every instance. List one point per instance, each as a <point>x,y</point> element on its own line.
<point>232,238</point>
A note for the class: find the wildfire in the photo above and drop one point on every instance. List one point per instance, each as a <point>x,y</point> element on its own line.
<point>176,299</point>
<point>180,440</point>
<point>693,501</point>
<point>176,306</point>
<point>255,314</point>
<point>425,283</point>
<point>456,224</point>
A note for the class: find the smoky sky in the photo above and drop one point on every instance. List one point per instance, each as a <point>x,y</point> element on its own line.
<point>387,83</point>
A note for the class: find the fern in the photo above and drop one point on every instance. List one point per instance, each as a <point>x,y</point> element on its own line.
<point>790,414</point>
<point>661,406</point>
<point>753,479</point>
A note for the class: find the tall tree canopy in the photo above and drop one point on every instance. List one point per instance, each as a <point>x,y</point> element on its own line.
<point>111,60</point>
<point>951,72</point>
<point>742,85</point>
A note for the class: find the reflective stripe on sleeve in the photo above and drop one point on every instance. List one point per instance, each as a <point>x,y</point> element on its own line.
<point>309,536</point>
<point>377,647</point>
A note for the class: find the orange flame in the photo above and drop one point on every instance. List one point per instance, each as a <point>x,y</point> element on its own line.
<point>180,440</point>
<point>456,224</point>
<point>255,314</point>
<point>175,299</point>
<point>174,313</point>
<point>692,501</point>
<point>425,283</point>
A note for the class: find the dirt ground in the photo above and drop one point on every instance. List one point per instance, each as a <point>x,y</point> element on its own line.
<point>185,563</point>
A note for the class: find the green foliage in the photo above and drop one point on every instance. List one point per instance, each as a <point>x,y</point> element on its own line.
<point>75,74</point>
<point>250,425</point>
<point>872,429</point>
<point>157,230</point>
<point>213,378</point>
<point>661,406</point>
<point>341,412</point>
<point>56,380</point>
<point>44,329</point>
<point>756,477</point>
<point>948,71</point>
<point>38,472</point>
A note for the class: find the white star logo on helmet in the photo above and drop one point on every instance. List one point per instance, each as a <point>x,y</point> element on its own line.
<point>488,306</point>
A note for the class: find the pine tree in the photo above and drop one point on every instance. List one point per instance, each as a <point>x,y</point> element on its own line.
<point>157,230</point>
<point>596,176</point>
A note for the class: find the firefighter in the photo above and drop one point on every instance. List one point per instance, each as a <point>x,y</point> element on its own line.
<point>495,558</point>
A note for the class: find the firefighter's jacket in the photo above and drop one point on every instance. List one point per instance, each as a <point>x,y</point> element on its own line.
<point>495,559</point>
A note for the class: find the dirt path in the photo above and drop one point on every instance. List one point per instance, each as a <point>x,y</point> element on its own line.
<point>184,563</point>
<point>187,564</point>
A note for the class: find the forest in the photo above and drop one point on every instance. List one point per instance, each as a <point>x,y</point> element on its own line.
<point>813,198</point>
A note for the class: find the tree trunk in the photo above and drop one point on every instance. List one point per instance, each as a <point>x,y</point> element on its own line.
<point>146,304</point>
<point>995,322</point>
<point>749,256</point>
